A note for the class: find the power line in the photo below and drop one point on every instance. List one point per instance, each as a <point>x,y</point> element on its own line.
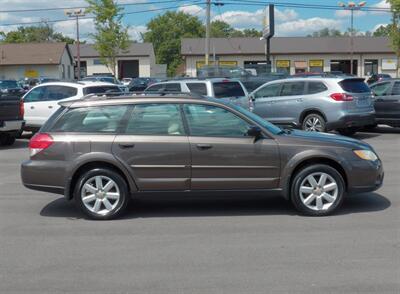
<point>91,17</point>
<point>77,7</point>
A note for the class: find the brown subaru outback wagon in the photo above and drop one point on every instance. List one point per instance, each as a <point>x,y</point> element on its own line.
<point>101,151</point>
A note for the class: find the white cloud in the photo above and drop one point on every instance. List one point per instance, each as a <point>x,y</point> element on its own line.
<point>136,31</point>
<point>306,26</point>
<point>68,28</point>
<point>346,13</point>
<point>250,19</point>
<point>193,10</point>
<point>380,5</point>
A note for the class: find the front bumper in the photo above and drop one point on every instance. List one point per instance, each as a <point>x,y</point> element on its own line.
<point>366,176</point>
<point>354,120</point>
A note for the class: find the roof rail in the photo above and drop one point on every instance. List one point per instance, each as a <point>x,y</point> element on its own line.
<point>111,94</point>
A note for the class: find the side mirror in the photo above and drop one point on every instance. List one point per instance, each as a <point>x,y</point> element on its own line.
<point>254,131</point>
<point>252,98</point>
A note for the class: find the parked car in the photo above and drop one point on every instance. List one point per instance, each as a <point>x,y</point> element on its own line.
<point>250,81</point>
<point>377,78</point>
<point>387,102</point>
<point>11,118</point>
<point>106,79</point>
<point>101,152</point>
<point>230,90</point>
<point>126,81</point>
<point>42,101</point>
<point>316,104</point>
<point>11,87</point>
<point>140,84</point>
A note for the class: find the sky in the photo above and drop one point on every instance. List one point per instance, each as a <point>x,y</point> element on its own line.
<point>289,21</point>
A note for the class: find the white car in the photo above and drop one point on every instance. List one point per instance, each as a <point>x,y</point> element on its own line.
<point>42,101</point>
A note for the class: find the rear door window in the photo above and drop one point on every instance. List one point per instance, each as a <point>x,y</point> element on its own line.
<point>381,89</point>
<point>396,88</point>
<point>155,120</point>
<point>292,89</point>
<point>198,88</point>
<point>99,119</point>
<point>228,89</point>
<point>316,87</point>
<point>354,86</point>
<point>154,88</point>
<point>173,87</point>
<point>59,92</point>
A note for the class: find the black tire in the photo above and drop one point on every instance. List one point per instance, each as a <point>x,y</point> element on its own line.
<point>348,131</point>
<point>123,191</point>
<point>371,127</point>
<point>302,175</point>
<point>7,139</point>
<point>315,116</point>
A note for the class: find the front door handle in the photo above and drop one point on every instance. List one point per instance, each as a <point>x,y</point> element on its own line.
<point>50,107</point>
<point>299,100</point>
<point>126,145</point>
<point>203,146</point>
<point>32,107</point>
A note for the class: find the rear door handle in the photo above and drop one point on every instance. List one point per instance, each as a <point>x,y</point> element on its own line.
<point>203,146</point>
<point>126,145</point>
<point>299,100</point>
<point>50,106</point>
<point>32,107</point>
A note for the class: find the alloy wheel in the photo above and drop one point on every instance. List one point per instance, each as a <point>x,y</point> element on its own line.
<point>313,124</point>
<point>100,195</point>
<point>318,191</point>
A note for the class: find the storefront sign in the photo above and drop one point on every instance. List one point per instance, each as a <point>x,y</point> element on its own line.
<point>389,64</point>
<point>300,64</point>
<point>316,63</point>
<point>283,63</point>
<point>31,73</point>
<point>200,64</point>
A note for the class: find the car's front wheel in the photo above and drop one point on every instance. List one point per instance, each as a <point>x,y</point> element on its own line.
<point>317,190</point>
<point>101,194</point>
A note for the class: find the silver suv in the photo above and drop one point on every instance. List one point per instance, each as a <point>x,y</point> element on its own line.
<point>228,90</point>
<point>316,104</point>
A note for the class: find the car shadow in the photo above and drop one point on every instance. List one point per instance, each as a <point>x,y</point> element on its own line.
<point>19,144</point>
<point>272,205</point>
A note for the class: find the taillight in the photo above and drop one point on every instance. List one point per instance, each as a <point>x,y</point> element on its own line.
<point>21,109</point>
<point>341,97</point>
<point>39,142</point>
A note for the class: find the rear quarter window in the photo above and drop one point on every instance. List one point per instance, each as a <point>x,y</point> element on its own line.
<point>354,86</point>
<point>198,88</point>
<point>316,87</point>
<point>228,89</point>
<point>96,119</point>
<point>101,89</point>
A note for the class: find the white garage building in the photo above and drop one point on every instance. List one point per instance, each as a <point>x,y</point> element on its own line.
<point>295,54</point>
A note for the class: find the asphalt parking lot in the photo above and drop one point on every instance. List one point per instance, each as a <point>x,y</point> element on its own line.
<point>257,245</point>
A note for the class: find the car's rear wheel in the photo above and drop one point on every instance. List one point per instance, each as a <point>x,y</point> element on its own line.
<point>101,194</point>
<point>317,190</point>
<point>314,122</point>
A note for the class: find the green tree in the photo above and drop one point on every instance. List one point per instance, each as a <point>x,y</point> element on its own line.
<point>382,31</point>
<point>394,32</point>
<point>165,32</point>
<point>221,29</point>
<point>34,34</point>
<point>326,32</point>
<point>111,37</point>
<point>252,33</point>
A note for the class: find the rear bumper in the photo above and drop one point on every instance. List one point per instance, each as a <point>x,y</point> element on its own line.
<point>353,120</point>
<point>367,176</point>
<point>11,125</point>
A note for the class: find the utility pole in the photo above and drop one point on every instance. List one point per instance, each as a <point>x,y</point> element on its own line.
<point>352,6</point>
<point>76,13</point>
<point>268,33</point>
<point>208,24</point>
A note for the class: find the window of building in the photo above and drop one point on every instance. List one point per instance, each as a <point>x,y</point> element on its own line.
<point>63,71</point>
<point>156,120</point>
<point>370,67</point>
<point>97,62</point>
<point>205,120</point>
<point>316,65</point>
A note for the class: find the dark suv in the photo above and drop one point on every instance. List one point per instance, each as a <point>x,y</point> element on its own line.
<point>103,151</point>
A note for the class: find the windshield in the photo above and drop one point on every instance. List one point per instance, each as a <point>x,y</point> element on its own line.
<point>8,84</point>
<point>262,122</point>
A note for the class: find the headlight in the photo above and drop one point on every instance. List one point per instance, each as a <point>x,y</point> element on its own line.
<point>366,154</point>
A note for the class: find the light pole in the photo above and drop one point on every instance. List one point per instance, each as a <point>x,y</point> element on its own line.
<point>352,6</point>
<point>76,13</point>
